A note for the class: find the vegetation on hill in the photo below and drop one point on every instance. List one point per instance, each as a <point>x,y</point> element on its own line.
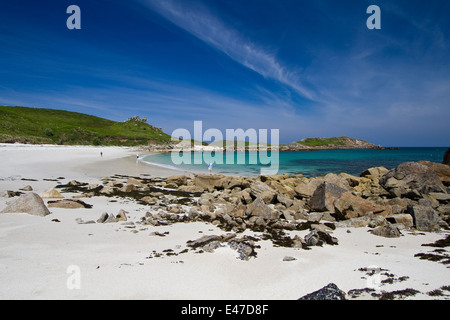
<point>323,141</point>
<point>39,126</point>
<point>336,143</point>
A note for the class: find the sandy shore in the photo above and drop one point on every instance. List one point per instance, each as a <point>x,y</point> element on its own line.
<point>44,259</point>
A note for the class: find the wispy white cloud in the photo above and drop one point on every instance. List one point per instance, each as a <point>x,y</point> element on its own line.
<point>201,23</point>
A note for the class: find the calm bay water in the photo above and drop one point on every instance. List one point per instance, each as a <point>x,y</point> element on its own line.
<point>308,163</point>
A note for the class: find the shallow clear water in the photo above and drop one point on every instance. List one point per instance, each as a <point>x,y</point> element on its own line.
<point>308,163</point>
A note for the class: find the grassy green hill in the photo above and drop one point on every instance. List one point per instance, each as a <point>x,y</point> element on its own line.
<point>32,125</point>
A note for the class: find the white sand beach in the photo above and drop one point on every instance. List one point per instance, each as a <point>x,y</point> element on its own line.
<point>54,257</point>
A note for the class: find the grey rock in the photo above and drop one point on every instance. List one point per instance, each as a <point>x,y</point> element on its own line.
<point>30,203</point>
<point>289,258</point>
<point>318,238</point>
<point>69,204</point>
<point>106,218</point>
<point>387,231</point>
<point>411,180</point>
<point>259,209</point>
<point>263,191</point>
<point>27,188</point>
<point>425,218</point>
<point>329,292</point>
<point>324,197</point>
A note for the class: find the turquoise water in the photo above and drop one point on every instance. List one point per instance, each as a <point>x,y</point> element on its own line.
<point>308,163</point>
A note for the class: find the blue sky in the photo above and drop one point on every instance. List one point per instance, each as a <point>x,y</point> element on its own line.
<point>309,68</point>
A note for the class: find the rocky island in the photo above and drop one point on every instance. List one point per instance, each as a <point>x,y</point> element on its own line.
<point>329,143</point>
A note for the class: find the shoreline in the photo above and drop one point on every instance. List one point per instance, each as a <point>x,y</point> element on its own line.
<point>143,259</point>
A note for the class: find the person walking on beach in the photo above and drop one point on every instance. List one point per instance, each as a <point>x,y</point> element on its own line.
<point>210,165</point>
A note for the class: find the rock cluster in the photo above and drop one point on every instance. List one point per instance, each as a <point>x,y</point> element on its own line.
<point>412,195</point>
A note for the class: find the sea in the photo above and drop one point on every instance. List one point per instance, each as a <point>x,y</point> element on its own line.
<point>309,163</point>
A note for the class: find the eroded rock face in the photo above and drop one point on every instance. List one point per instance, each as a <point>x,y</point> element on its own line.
<point>411,180</point>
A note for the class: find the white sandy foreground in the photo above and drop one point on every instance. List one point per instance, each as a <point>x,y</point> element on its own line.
<point>44,259</point>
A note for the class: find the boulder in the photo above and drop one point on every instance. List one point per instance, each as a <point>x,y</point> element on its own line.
<point>69,204</point>
<point>263,191</point>
<point>387,231</point>
<point>233,182</point>
<point>425,218</point>
<point>339,180</point>
<point>318,238</point>
<point>190,189</point>
<point>350,206</point>
<point>134,181</point>
<point>122,215</point>
<point>179,180</point>
<point>106,218</point>
<point>30,203</point>
<point>51,194</point>
<point>360,222</point>
<point>402,218</point>
<point>27,188</point>
<point>447,158</point>
<point>306,190</point>
<point>259,209</point>
<point>374,173</point>
<point>442,170</point>
<point>324,197</point>
<point>128,188</point>
<point>285,200</point>
<point>207,182</point>
<point>329,292</point>
<point>443,198</point>
<point>411,180</point>
<point>314,217</point>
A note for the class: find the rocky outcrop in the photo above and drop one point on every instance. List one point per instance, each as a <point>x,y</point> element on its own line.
<point>385,201</point>
<point>349,206</point>
<point>207,182</point>
<point>442,171</point>
<point>411,180</point>
<point>30,203</point>
<point>446,158</point>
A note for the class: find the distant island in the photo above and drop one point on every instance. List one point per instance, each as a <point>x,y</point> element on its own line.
<point>329,143</point>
